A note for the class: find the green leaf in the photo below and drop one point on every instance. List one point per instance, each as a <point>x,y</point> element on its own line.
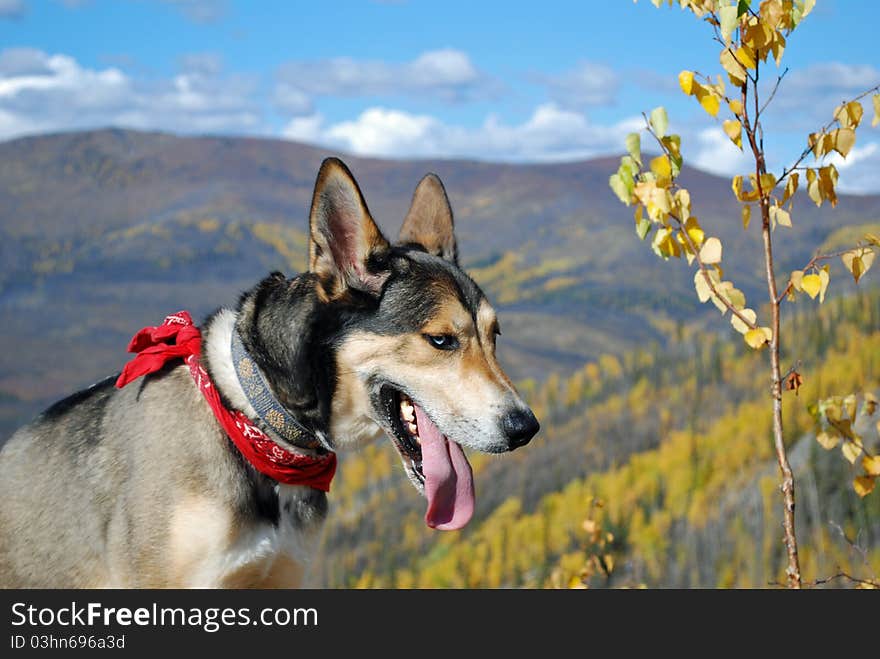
<point>634,147</point>
<point>620,188</point>
<point>742,7</point>
<point>659,121</point>
<point>729,16</point>
<point>643,227</point>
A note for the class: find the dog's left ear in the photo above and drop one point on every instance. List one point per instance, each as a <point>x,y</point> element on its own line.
<point>345,247</point>
<point>429,220</point>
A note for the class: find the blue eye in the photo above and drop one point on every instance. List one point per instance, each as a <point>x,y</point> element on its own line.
<point>442,341</point>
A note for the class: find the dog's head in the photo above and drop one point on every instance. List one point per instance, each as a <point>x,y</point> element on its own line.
<point>415,354</point>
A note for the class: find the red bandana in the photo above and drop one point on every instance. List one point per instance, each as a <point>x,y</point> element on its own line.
<point>178,338</point>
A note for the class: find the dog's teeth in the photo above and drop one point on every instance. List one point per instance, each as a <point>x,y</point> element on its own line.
<point>413,428</point>
<point>407,411</point>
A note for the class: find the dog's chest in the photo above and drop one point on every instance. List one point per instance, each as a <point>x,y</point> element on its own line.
<point>213,549</point>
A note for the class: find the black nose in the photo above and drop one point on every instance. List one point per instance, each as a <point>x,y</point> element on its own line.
<point>520,426</point>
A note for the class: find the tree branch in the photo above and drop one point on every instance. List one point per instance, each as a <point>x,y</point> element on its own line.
<point>809,149</point>
<point>694,249</point>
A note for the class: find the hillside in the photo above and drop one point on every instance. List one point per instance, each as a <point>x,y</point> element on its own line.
<point>677,444</point>
<point>104,232</point>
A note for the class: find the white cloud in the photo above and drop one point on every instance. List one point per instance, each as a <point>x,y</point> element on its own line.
<point>807,97</point>
<point>588,84</point>
<point>549,134</point>
<point>860,171</point>
<point>446,74</point>
<point>716,153</point>
<point>201,11</point>
<point>40,92</point>
<point>12,9</point>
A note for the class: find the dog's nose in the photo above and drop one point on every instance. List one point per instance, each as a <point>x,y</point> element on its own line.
<point>520,426</point>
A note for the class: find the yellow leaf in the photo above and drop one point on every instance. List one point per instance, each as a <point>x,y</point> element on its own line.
<point>686,82</point>
<point>813,188</point>
<point>871,465</point>
<point>827,440</point>
<point>863,485</point>
<point>733,129</point>
<point>661,167</point>
<point>683,202</point>
<point>853,262</point>
<point>849,114</point>
<point>735,71</point>
<point>746,215</point>
<point>771,13</point>
<point>709,102</point>
<point>736,107</point>
<point>711,251</point>
<point>780,216</point>
<point>811,285</point>
<point>824,278</point>
<point>791,187</point>
<point>777,47</point>
<point>759,337</point>
<point>851,451</point>
<point>745,55</point>
<point>876,119</point>
<point>694,231</point>
<point>739,325</point>
<point>827,183</point>
<point>704,292</point>
<point>737,186</point>
<point>768,182</point>
<point>843,140</point>
<point>796,279</point>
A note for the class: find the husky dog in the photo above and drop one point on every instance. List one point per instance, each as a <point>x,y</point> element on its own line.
<point>141,487</point>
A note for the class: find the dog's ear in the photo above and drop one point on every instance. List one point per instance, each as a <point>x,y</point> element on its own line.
<point>429,220</point>
<point>346,248</point>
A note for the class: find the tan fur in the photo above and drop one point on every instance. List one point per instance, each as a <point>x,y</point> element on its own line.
<point>429,220</point>
<point>479,386</point>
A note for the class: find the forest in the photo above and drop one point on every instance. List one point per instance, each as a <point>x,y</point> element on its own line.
<point>675,443</point>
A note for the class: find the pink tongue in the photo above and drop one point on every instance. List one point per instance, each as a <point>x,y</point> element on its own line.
<point>449,481</point>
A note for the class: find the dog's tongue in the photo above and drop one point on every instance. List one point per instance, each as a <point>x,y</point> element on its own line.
<point>449,481</point>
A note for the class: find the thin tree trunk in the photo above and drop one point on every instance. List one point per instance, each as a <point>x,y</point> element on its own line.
<point>793,571</point>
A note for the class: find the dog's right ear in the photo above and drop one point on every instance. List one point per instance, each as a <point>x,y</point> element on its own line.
<point>429,220</point>
<point>345,245</point>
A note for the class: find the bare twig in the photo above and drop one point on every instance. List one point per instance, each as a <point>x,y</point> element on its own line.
<point>813,261</point>
<point>772,94</point>
<point>809,149</point>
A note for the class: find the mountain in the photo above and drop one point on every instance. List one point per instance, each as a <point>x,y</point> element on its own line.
<point>103,232</point>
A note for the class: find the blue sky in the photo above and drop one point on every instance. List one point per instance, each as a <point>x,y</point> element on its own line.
<point>510,81</point>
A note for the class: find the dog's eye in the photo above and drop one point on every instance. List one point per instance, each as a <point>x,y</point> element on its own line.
<point>442,341</point>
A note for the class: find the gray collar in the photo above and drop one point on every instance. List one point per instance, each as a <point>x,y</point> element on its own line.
<point>260,396</point>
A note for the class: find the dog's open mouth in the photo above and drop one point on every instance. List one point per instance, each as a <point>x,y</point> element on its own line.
<point>436,465</point>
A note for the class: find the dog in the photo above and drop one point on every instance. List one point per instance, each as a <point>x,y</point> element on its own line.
<point>142,486</point>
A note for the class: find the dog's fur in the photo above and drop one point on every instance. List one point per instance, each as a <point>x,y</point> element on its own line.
<point>140,487</point>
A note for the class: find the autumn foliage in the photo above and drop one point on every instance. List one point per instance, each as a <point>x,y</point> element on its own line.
<point>749,37</point>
